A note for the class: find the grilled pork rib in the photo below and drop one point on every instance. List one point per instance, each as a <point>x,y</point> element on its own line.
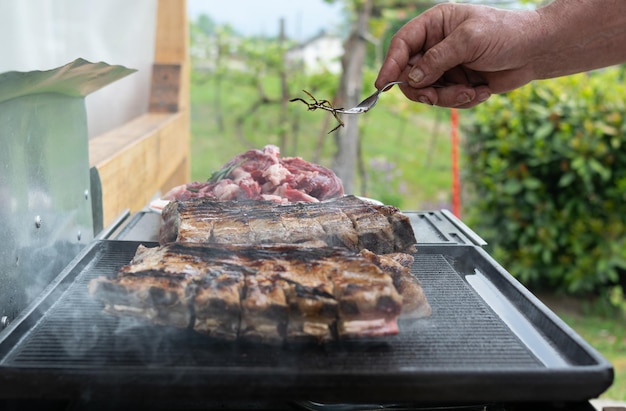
<point>398,266</point>
<point>346,222</point>
<point>269,294</point>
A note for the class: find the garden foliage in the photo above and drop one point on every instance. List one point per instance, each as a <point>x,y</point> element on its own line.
<point>546,167</point>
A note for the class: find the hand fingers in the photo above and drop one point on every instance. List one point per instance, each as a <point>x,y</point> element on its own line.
<point>430,45</point>
<point>453,96</point>
<point>405,45</point>
<point>395,63</point>
<point>481,94</point>
<point>439,59</point>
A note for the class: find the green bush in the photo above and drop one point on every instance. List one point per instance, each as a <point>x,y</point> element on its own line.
<point>546,167</point>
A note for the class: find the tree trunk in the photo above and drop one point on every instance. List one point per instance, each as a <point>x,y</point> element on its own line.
<point>349,95</point>
<point>284,91</point>
<point>219,115</point>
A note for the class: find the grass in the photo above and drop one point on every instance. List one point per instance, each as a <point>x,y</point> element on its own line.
<point>407,157</point>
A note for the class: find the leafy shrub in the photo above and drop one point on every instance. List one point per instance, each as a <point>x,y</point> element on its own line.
<point>546,165</point>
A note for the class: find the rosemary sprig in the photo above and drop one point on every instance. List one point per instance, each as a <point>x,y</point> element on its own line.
<point>323,105</point>
<point>224,172</point>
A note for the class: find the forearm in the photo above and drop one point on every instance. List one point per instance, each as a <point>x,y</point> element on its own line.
<point>478,51</point>
<point>579,35</point>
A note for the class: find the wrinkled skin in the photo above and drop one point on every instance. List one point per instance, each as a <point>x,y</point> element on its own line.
<point>475,51</point>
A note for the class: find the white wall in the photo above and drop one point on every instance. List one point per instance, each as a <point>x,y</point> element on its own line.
<point>45,34</point>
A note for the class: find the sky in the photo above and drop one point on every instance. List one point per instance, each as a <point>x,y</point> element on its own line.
<point>303,18</point>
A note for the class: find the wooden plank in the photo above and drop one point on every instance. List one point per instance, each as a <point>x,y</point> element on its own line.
<point>179,174</point>
<point>139,160</point>
<point>106,146</point>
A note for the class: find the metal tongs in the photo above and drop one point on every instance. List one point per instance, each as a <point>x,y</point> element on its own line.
<point>363,107</point>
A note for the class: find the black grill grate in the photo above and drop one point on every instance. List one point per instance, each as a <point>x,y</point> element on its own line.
<point>488,339</point>
<point>463,333</point>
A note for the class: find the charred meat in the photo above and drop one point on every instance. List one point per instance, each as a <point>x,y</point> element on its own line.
<point>347,222</point>
<point>268,294</point>
<point>398,266</point>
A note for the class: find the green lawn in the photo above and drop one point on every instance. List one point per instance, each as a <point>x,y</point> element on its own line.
<point>407,157</point>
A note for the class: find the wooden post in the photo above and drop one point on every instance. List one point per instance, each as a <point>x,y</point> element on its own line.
<point>171,56</point>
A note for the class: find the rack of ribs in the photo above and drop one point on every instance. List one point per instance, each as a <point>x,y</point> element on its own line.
<point>348,222</point>
<point>269,294</point>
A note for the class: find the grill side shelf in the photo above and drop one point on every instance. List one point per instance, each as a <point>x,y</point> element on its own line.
<point>442,227</point>
<point>573,348</point>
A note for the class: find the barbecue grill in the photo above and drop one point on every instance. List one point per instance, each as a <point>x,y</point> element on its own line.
<point>488,345</point>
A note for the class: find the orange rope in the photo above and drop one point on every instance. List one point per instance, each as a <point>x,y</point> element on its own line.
<point>456,185</point>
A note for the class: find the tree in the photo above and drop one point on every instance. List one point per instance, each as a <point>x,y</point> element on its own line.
<point>349,95</point>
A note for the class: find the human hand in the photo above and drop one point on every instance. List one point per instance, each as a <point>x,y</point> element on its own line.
<point>457,55</point>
